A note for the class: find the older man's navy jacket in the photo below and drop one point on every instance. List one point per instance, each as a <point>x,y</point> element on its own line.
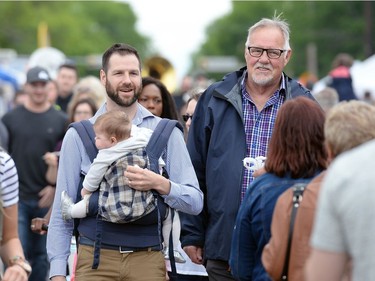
<point>217,145</point>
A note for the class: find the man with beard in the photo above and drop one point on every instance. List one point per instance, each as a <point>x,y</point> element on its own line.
<point>128,251</point>
<point>234,119</point>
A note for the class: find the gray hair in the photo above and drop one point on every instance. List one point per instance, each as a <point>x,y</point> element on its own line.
<point>276,21</point>
<point>327,98</point>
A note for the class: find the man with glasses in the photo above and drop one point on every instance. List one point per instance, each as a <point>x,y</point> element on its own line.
<point>234,119</point>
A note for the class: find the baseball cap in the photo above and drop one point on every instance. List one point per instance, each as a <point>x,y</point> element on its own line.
<point>37,74</point>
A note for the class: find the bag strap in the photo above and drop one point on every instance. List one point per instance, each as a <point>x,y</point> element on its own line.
<point>158,141</point>
<point>298,190</point>
<point>155,147</point>
<point>172,260</point>
<point>86,132</point>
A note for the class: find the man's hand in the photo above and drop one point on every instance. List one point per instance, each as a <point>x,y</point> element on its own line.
<point>51,159</point>
<point>46,195</point>
<point>144,180</point>
<point>194,253</point>
<point>39,225</point>
<point>259,172</point>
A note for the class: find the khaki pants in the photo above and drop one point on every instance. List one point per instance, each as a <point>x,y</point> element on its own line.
<point>136,266</point>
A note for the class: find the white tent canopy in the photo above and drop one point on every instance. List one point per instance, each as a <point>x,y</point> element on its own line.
<point>363,74</point>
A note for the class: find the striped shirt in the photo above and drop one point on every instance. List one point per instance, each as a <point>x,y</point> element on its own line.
<point>8,180</point>
<point>258,126</point>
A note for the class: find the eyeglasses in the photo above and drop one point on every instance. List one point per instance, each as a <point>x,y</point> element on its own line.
<point>186,117</point>
<point>271,53</point>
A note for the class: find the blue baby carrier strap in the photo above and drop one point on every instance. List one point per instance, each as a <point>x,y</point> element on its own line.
<point>158,141</point>
<point>154,149</point>
<point>86,132</point>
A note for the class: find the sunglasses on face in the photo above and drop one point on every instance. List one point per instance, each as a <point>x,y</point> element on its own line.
<point>186,117</point>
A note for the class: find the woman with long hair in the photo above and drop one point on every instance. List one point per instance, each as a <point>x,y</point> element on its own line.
<point>296,154</point>
<point>157,99</point>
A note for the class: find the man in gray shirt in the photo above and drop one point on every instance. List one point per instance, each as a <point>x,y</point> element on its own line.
<point>344,230</point>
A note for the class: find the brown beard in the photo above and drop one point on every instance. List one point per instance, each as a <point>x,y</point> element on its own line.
<point>114,96</point>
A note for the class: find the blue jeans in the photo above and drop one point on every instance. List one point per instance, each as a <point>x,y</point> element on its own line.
<point>34,245</point>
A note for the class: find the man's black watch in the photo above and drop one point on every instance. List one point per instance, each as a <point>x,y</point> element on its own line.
<point>20,261</point>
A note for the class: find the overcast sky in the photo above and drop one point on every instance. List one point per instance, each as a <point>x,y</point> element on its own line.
<point>177,27</point>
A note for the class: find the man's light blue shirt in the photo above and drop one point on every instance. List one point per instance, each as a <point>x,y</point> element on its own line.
<point>184,196</point>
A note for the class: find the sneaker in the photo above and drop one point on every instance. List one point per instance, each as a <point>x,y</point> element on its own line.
<point>177,255</point>
<point>66,206</point>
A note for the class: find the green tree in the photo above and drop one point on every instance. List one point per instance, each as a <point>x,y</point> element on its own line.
<point>333,27</point>
<point>77,28</point>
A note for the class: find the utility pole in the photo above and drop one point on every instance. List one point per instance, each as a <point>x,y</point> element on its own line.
<point>368,45</point>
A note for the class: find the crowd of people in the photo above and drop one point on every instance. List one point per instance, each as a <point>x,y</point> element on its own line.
<point>231,221</point>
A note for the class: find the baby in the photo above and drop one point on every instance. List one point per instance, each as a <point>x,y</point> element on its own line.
<point>115,138</point>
